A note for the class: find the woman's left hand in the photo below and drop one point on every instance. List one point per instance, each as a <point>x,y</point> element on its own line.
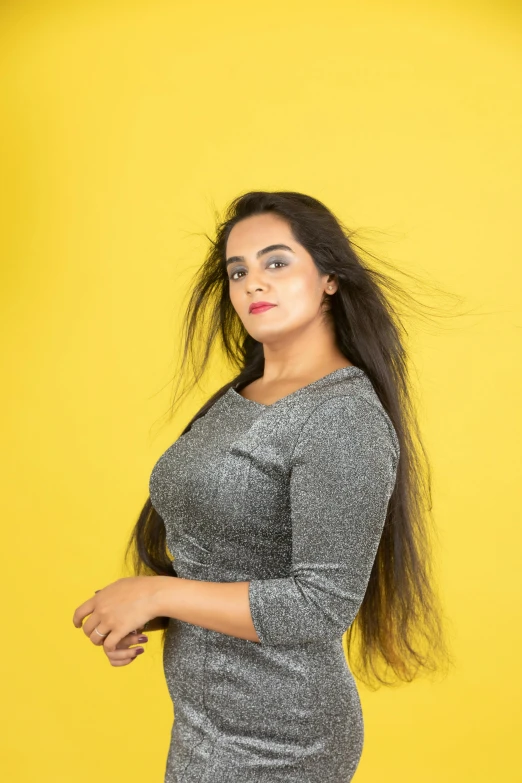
<point>118,609</point>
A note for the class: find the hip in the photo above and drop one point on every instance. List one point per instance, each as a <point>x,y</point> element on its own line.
<point>285,691</point>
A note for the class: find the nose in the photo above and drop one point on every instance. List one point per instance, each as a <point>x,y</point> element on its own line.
<point>254,283</point>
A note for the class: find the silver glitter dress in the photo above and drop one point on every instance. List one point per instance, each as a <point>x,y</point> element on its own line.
<point>291,497</point>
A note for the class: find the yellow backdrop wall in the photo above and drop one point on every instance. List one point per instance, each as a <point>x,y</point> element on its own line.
<point>123,125</point>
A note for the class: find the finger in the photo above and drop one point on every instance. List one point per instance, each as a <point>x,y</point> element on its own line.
<point>132,638</point>
<point>95,632</point>
<point>94,628</point>
<point>82,611</point>
<point>123,657</point>
<point>112,641</point>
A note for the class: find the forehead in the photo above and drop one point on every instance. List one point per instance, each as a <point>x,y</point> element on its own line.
<point>258,231</point>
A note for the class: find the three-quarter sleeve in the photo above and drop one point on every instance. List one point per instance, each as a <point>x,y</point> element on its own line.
<point>342,474</point>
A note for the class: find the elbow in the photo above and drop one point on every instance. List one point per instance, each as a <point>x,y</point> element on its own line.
<point>302,628</point>
<point>320,626</point>
<point>290,612</point>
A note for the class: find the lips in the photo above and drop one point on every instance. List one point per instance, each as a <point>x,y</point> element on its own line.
<point>259,306</point>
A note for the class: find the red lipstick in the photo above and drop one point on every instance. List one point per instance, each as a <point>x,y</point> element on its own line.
<point>260,307</point>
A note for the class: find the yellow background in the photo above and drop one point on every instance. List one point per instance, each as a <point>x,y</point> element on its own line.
<point>123,124</point>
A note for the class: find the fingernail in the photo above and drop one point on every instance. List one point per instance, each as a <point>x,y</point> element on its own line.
<point>143,638</point>
<point>139,650</point>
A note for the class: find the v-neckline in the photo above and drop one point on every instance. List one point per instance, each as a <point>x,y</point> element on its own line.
<point>349,369</point>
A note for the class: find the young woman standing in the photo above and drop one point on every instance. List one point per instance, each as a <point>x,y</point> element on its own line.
<point>292,504</point>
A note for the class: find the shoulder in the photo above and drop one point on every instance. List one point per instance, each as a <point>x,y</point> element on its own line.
<point>356,416</point>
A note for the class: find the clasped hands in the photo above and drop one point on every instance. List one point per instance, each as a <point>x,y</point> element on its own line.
<point>119,610</point>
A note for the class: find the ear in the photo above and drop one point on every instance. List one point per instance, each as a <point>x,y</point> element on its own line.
<point>331,285</point>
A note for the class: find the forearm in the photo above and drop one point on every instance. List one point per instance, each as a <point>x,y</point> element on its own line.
<point>218,606</point>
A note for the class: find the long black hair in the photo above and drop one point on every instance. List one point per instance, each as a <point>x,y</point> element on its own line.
<point>400,622</point>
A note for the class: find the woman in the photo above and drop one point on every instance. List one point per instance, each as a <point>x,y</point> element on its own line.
<point>292,505</point>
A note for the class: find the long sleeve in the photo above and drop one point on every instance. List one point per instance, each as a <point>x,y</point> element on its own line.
<point>343,471</point>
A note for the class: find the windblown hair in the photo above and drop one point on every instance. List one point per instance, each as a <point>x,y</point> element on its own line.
<point>400,623</point>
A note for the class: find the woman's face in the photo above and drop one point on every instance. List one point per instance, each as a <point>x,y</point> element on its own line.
<point>284,276</point>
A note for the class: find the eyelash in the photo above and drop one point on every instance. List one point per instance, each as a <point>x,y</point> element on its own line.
<point>235,279</point>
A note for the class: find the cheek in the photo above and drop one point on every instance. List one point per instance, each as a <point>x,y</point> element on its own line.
<point>300,296</point>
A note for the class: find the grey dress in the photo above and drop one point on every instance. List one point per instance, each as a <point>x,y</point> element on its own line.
<point>291,497</point>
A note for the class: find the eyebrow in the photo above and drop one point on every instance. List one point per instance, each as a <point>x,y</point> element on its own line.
<point>259,253</point>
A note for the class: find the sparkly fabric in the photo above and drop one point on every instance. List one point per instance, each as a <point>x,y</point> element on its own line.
<point>291,497</point>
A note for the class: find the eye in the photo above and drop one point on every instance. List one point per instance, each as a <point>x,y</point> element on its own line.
<point>275,261</point>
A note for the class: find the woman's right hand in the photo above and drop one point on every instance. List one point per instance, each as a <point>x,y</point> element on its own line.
<point>124,653</point>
